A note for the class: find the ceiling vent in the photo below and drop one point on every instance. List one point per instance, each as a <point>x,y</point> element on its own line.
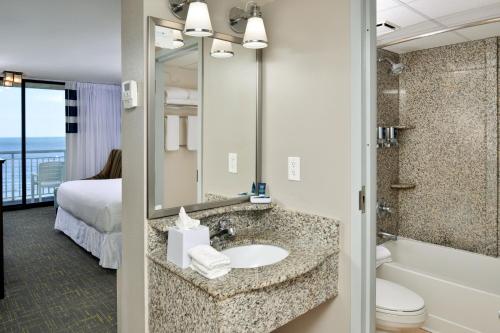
<point>386,27</point>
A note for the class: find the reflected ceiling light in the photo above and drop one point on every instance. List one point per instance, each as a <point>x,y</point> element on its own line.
<point>195,12</point>
<point>177,39</point>
<point>221,49</point>
<point>11,79</point>
<point>251,23</point>
<point>167,38</point>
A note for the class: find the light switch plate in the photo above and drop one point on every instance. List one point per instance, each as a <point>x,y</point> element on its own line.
<point>232,160</point>
<point>294,168</point>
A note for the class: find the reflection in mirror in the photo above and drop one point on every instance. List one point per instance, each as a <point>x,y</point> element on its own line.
<point>204,133</point>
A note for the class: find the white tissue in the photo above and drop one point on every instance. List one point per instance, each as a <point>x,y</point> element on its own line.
<point>184,222</point>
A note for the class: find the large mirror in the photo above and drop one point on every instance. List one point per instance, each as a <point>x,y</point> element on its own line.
<point>203,120</point>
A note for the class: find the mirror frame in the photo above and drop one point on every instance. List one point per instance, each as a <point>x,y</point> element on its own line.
<point>152,213</point>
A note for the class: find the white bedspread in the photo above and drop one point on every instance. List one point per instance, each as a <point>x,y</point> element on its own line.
<point>107,246</point>
<point>95,202</point>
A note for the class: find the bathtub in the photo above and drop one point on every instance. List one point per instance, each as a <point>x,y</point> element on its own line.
<point>461,289</point>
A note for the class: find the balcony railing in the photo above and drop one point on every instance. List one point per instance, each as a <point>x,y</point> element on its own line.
<point>13,174</point>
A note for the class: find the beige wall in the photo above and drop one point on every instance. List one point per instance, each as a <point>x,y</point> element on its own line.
<point>229,120</point>
<point>130,278</point>
<point>180,186</point>
<point>306,113</point>
<point>132,287</point>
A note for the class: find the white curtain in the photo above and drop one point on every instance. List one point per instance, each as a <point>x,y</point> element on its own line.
<point>98,129</point>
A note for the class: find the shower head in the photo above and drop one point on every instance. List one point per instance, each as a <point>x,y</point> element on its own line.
<point>396,68</point>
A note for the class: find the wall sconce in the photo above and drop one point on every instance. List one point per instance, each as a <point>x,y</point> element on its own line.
<point>167,38</point>
<point>221,49</point>
<point>251,23</point>
<point>195,13</point>
<point>11,79</point>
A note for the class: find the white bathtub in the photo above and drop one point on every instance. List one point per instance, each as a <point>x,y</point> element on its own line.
<point>461,289</point>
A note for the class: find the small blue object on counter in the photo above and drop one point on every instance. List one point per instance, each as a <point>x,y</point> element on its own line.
<point>261,189</point>
<point>260,199</point>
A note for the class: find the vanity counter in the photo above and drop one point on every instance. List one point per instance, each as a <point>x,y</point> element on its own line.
<point>303,257</point>
<point>246,299</point>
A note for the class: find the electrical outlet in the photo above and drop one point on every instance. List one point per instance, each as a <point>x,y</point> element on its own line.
<point>232,160</point>
<point>294,168</point>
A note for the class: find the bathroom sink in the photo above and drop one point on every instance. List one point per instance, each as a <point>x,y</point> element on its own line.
<point>256,255</point>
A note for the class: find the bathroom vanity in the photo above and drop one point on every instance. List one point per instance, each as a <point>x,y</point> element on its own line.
<point>247,299</point>
<point>209,169</point>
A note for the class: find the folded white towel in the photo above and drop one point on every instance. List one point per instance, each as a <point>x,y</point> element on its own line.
<point>383,255</point>
<point>209,274</point>
<point>187,102</point>
<point>193,94</point>
<point>209,257</point>
<point>177,93</point>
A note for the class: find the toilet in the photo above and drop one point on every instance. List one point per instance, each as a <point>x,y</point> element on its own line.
<point>398,309</point>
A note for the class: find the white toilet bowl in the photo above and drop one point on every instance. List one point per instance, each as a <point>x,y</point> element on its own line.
<point>398,308</point>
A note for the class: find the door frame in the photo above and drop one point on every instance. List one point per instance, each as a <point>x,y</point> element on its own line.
<point>24,204</point>
<point>363,165</point>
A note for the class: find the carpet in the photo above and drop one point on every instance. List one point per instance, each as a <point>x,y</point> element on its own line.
<point>51,284</point>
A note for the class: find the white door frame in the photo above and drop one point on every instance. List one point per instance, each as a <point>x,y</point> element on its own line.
<point>363,164</point>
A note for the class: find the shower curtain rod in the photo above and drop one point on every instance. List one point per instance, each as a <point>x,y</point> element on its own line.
<point>452,28</point>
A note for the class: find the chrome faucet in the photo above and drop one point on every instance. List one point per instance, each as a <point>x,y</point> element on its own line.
<point>383,209</point>
<point>224,229</point>
<point>387,236</point>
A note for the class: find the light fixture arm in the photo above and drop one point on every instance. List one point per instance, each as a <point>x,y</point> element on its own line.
<point>180,7</point>
<point>238,17</point>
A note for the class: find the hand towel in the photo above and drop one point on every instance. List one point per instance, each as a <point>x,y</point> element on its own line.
<point>192,132</point>
<point>209,274</point>
<point>209,257</point>
<point>383,255</point>
<point>172,133</point>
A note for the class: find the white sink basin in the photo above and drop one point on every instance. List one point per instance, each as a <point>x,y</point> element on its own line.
<point>252,256</point>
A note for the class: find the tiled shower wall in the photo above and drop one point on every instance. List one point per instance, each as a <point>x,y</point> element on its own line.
<point>387,158</point>
<point>450,95</point>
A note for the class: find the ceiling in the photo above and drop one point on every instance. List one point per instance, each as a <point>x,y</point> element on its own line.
<point>415,17</point>
<point>62,39</point>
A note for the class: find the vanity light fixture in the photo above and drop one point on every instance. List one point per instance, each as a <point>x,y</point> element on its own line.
<point>251,23</point>
<point>195,12</point>
<point>11,79</point>
<point>167,38</point>
<point>221,49</point>
<point>177,39</point>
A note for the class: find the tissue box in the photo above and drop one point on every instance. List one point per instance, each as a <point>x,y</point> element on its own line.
<point>180,241</point>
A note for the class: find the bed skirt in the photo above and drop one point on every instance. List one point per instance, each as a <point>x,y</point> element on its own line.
<point>105,246</point>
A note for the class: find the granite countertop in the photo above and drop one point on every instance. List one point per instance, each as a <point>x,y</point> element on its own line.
<point>304,256</point>
<point>162,224</point>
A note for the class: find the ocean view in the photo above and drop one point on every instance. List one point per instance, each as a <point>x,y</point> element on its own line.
<point>38,150</point>
<point>33,144</point>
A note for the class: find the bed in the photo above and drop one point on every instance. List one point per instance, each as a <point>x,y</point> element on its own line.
<point>90,214</point>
